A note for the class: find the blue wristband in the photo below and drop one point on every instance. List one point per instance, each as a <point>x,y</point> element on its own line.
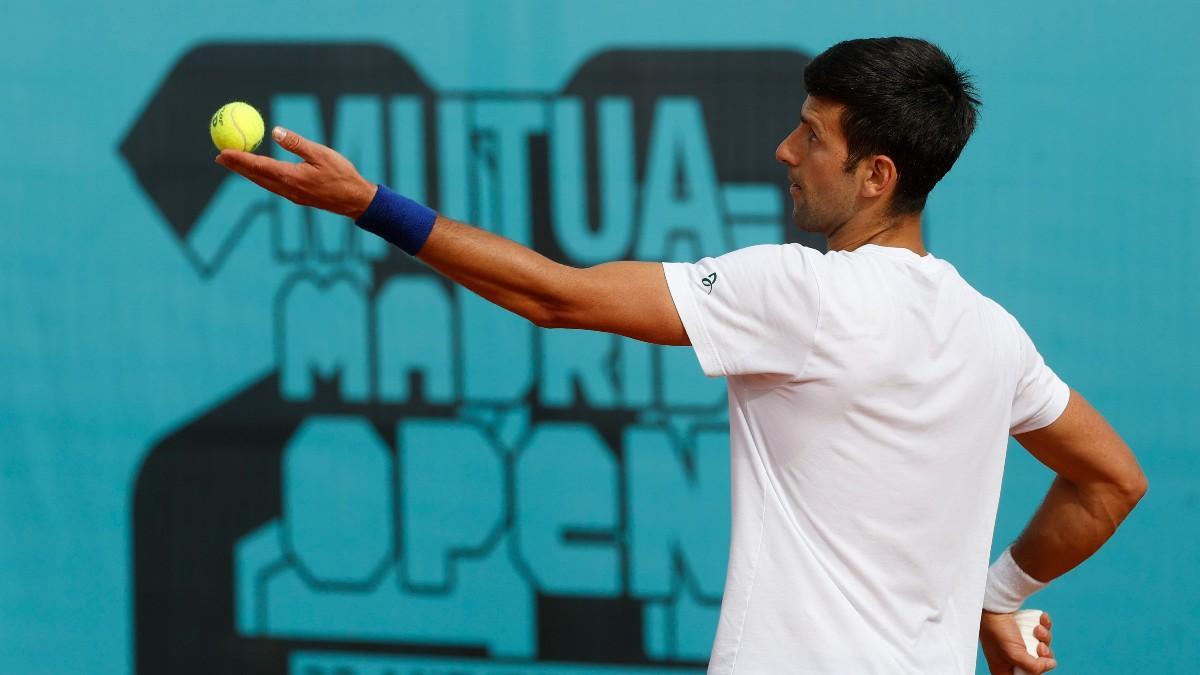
<point>398,219</point>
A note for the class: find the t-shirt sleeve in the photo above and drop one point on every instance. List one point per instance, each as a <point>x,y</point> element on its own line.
<point>1040,396</point>
<point>751,311</point>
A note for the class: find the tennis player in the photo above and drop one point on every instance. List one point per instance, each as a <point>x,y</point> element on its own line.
<point>872,390</point>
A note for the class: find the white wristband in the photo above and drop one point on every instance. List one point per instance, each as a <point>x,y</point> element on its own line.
<point>1008,586</point>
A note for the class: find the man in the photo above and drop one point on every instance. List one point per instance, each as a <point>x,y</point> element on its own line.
<point>871,389</point>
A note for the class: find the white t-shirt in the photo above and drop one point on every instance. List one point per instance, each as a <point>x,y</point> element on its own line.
<point>871,396</point>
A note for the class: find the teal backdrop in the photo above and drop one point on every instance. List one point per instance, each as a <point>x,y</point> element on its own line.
<point>236,436</point>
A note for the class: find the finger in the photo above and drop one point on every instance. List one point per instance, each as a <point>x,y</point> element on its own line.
<point>296,144</point>
<point>1045,620</point>
<point>248,163</point>
<point>1044,650</point>
<point>263,180</point>
<point>272,185</point>
<point>1042,634</point>
<point>1035,665</point>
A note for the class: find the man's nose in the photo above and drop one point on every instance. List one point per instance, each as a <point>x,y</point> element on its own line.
<point>784,154</point>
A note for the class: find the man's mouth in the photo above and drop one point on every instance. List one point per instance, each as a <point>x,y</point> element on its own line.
<point>793,188</point>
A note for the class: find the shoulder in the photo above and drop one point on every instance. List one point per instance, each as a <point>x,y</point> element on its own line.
<point>761,261</point>
<point>774,252</point>
<point>1001,322</point>
<point>999,313</point>
<point>1008,329</point>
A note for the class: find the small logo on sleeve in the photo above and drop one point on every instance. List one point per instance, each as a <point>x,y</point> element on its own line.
<point>708,282</point>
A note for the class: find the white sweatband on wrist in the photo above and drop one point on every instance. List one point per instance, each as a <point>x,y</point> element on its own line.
<point>1008,586</point>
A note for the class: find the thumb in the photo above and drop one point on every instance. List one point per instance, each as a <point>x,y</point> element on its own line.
<point>296,144</point>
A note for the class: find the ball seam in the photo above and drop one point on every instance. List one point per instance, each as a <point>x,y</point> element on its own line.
<point>233,121</point>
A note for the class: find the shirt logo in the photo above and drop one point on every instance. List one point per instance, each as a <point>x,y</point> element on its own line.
<point>708,282</point>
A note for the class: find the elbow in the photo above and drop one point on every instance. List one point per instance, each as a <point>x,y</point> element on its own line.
<point>1122,494</point>
<point>1113,498</point>
<point>1134,488</point>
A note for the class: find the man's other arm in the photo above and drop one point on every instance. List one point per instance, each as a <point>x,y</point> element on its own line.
<point>1098,483</point>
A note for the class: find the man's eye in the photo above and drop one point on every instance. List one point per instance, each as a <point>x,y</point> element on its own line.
<point>812,136</point>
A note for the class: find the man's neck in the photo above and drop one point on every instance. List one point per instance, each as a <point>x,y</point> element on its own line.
<point>896,231</point>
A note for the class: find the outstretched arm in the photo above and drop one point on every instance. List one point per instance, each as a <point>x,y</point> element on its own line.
<point>625,298</point>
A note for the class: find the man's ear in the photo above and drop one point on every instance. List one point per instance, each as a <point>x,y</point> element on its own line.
<point>879,176</point>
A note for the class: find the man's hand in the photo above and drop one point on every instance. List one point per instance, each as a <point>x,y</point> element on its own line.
<point>1004,648</point>
<point>324,180</point>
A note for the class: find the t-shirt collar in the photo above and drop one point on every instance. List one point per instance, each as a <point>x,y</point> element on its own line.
<point>897,251</point>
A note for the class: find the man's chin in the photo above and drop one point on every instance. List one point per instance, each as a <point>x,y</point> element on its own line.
<point>806,224</point>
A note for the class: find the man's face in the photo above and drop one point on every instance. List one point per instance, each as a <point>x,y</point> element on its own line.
<point>823,193</point>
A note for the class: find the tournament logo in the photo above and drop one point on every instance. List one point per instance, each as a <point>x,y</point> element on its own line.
<point>425,483</point>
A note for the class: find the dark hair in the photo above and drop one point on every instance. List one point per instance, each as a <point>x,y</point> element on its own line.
<point>903,98</point>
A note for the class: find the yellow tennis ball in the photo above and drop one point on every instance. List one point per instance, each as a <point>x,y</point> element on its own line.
<point>236,126</point>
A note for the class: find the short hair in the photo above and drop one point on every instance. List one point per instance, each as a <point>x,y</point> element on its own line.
<point>904,98</point>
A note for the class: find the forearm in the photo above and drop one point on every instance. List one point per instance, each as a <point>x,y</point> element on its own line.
<point>1071,524</point>
<point>501,271</point>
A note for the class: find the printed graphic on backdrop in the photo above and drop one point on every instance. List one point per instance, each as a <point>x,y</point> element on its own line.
<point>424,482</point>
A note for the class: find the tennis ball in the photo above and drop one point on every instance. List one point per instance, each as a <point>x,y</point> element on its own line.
<point>236,126</point>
